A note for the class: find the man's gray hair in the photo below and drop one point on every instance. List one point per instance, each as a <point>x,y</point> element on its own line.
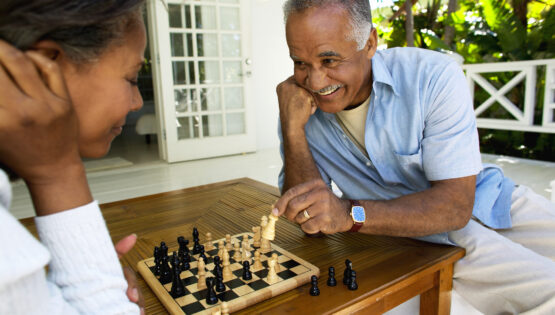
<point>359,12</point>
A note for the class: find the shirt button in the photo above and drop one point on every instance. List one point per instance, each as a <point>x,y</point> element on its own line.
<point>368,164</point>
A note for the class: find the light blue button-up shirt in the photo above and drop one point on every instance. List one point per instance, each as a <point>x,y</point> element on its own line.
<point>420,127</point>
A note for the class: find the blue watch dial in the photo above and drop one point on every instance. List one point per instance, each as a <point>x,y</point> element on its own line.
<point>358,214</point>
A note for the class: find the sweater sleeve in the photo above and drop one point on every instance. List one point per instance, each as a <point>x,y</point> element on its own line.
<point>84,265</point>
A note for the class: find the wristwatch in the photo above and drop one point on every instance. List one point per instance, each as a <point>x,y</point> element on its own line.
<point>358,215</point>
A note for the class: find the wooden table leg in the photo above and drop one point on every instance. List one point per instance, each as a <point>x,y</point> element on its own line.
<point>437,300</point>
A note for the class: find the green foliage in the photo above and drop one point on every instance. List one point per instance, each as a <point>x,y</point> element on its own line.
<point>487,31</point>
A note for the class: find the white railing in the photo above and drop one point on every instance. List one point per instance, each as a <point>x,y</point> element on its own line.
<point>523,119</point>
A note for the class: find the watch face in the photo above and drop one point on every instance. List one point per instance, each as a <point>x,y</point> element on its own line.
<point>358,214</point>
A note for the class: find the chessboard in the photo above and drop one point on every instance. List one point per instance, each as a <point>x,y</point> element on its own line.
<point>239,294</point>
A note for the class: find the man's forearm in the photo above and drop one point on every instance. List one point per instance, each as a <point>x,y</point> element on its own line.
<point>299,164</point>
<point>443,207</point>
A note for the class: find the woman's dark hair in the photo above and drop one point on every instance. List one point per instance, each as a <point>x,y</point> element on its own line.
<point>83,28</point>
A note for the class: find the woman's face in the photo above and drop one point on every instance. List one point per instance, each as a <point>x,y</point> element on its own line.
<point>105,91</point>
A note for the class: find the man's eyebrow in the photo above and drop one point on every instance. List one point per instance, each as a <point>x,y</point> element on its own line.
<point>329,53</point>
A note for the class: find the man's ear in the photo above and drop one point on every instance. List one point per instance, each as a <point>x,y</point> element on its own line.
<point>49,49</point>
<point>372,43</point>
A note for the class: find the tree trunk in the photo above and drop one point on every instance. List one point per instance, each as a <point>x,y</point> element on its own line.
<point>450,30</point>
<point>409,24</point>
<point>521,11</point>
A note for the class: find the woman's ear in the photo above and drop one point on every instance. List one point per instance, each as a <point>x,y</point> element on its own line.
<point>49,49</point>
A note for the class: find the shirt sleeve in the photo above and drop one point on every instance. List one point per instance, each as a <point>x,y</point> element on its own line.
<point>450,145</point>
<point>84,265</point>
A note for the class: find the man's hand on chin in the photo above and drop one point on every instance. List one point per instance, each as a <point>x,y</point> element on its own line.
<point>296,105</point>
<point>316,208</point>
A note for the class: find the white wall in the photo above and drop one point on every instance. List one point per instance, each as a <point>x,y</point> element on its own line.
<point>270,65</point>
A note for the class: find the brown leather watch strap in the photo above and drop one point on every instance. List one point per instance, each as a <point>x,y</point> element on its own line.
<point>356,225</point>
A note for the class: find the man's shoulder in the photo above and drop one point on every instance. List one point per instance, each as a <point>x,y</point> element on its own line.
<point>409,61</point>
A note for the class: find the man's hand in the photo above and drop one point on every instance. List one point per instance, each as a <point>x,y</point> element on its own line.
<point>327,213</point>
<point>296,105</point>
<point>133,293</point>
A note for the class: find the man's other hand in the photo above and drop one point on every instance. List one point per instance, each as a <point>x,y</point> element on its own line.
<point>296,105</point>
<point>316,208</point>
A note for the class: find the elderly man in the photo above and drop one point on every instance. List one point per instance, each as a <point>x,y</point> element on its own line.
<point>395,131</point>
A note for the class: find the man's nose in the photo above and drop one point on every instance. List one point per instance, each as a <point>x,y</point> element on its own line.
<point>316,79</point>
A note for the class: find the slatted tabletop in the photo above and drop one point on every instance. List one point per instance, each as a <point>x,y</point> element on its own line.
<point>389,270</point>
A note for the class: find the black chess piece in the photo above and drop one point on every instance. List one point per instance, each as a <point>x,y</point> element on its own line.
<point>157,260</point>
<point>163,250</point>
<point>314,291</point>
<point>247,274</point>
<point>196,245</point>
<point>347,272</point>
<point>353,282</point>
<point>183,245</point>
<point>331,277</point>
<point>185,259</point>
<point>211,297</point>
<point>202,254</point>
<point>217,260</point>
<point>165,271</point>
<point>177,289</point>
<point>220,286</point>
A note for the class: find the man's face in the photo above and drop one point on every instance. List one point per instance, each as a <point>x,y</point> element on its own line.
<point>327,63</point>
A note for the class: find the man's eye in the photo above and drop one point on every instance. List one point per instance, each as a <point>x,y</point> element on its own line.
<point>298,63</point>
<point>328,61</point>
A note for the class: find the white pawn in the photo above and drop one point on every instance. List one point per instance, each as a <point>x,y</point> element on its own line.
<point>209,245</point>
<point>237,252</point>
<point>226,272</point>
<point>246,253</point>
<point>275,258</point>
<point>272,275</point>
<point>221,248</point>
<point>201,283</point>
<point>225,308</point>
<point>256,239</point>
<point>228,245</point>
<point>257,264</point>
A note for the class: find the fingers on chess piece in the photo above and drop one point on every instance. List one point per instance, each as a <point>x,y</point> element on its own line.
<point>247,275</point>
<point>353,281</point>
<point>331,277</point>
<point>314,291</point>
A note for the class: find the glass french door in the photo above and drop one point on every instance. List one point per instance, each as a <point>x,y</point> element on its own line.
<point>204,68</point>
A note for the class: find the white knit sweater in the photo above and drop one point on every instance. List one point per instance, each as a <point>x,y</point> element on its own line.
<point>84,276</point>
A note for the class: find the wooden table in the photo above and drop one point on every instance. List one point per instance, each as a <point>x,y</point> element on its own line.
<point>389,270</point>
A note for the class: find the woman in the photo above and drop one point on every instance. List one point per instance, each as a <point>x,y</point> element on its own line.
<point>68,78</point>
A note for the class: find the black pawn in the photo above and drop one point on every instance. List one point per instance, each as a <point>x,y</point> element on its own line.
<point>217,260</point>
<point>353,285</point>
<point>331,279</point>
<point>202,254</point>
<point>211,297</point>
<point>165,272</point>
<point>247,275</point>
<point>185,259</point>
<point>347,272</point>
<point>220,286</point>
<point>314,291</point>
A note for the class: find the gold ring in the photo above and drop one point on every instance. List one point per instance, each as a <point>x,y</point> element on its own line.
<point>306,215</point>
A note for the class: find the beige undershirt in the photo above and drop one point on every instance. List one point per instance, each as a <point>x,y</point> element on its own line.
<point>353,122</point>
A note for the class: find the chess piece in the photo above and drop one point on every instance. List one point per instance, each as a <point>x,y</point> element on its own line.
<point>257,264</point>
<point>183,245</point>
<point>209,245</point>
<point>177,289</point>
<point>264,243</point>
<point>211,297</point>
<point>269,231</point>
<point>185,259</point>
<point>202,254</point>
<point>237,252</point>
<point>256,239</point>
<point>157,261</point>
<point>225,308</point>
<point>219,284</point>
<point>165,272</point>
<point>201,283</point>
<point>247,275</point>
<point>275,258</point>
<point>217,260</point>
<point>331,277</point>
<point>228,245</point>
<point>220,248</point>
<point>245,253</point>
<point>314,291</point>
<point>272,275</point>
<point>353,282</point>
<point>246,241</point>
<point>196,245</point>
<point>163,249</point>
<point>347,272</point>
<point>227,273</point>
